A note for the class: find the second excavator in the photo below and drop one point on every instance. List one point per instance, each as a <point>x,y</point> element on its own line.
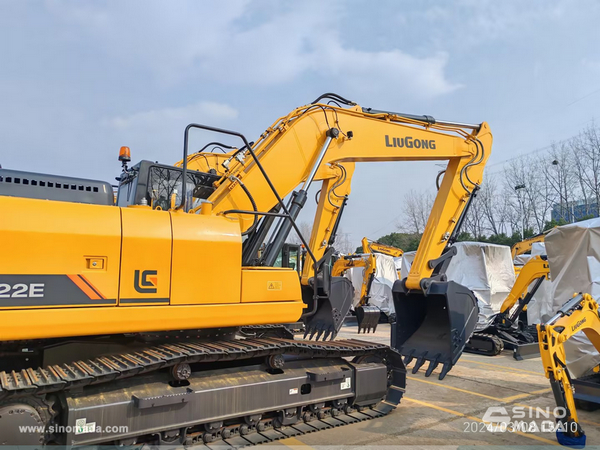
<point>157,320</point>
<point>509,328</point>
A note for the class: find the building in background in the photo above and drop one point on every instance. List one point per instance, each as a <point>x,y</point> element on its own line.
<point>574,211</point>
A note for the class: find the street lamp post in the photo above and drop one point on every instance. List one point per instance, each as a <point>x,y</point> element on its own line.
<point>518,189</point>
<point>566,208</point>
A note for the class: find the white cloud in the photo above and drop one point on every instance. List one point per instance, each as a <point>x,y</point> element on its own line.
<point>156,118</point>
<point>208,40</point>
<point>158,134</point>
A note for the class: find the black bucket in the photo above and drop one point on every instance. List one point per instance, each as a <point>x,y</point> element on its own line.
<point>434,325</point>
<point>367,318</point>
<point>332,308</point>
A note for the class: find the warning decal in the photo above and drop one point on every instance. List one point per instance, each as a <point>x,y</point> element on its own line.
<point>274,285</point>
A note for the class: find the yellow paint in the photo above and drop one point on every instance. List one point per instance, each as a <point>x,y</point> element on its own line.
<point>56,238</point>
<point>370,266</point>
<point>194,261</point>
<point>525,245</point>
<point>146,247</point>
<point>270,284</point>
<point>63,322</point>
<point>525,395</point>
<point>466,391</point>
<point>207,260</point>
<point>373,246</point>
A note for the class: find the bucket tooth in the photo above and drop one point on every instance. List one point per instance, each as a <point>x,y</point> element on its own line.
<point>432,365</point>
<point>319,334</point>
<point>420,361</point>
<point>445,369</point>
<point>375,323</point>
<point>408,358</point>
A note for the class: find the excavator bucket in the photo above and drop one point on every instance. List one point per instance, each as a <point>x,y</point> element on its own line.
<point>331,310</point>
<point>434,325</point>
<point>367,318</point>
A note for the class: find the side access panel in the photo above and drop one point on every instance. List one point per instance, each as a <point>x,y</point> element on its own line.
<point>58,254</point>
<point>270,284</point>
<point>146,257</point>
<point>207,260</point>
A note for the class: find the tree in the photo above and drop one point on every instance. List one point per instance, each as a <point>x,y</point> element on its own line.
<point>305,229</point>
<point>417,205</point>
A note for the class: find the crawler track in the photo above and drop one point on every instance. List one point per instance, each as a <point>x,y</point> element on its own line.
<point>30,384</point>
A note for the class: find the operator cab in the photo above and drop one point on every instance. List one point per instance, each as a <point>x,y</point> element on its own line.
<point>160,186</point>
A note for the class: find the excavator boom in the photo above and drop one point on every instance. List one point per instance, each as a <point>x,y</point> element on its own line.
<point>321,142</point>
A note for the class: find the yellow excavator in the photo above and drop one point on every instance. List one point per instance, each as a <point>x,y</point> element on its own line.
<point>580,313</point>
<point>367,316</point>
<point>509,328</point>
<point>158,320</point>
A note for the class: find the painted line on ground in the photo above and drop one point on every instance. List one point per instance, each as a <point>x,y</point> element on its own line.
<point>292,442</point>
<point>504,400</point>
<point>459,414</point>
<point>541,374</point>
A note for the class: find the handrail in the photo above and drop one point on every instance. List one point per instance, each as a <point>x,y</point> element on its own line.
<point>267,179</point>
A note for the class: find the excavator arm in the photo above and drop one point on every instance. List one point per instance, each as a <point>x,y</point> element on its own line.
<point>525,245</point>
<point>373,246</point>
<point>535,271</point>
<point>578,314</point>
<point>322,142</point>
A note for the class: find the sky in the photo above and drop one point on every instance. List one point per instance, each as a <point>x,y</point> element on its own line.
<point>79,79</point>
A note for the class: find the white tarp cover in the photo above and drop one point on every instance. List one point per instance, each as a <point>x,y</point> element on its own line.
<point>540,305</point>
<point>486,269</point>
<point>574,258</point>
<point>381,288</point>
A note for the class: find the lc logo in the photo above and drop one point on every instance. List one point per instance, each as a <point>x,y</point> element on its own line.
<point>147,282</point>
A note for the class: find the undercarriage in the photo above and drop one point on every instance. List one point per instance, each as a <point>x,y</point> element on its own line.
<point>240,390</point>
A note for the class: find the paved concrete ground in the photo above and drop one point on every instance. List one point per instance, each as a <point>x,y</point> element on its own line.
<point>449,412</point>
